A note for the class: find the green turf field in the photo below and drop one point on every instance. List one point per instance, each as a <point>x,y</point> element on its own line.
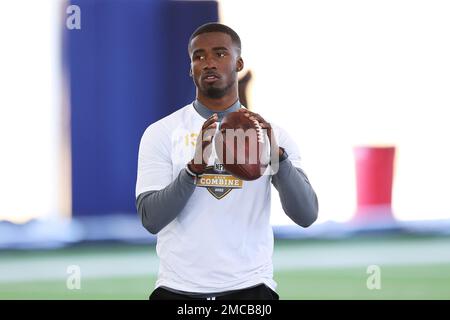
<point>411,268</point>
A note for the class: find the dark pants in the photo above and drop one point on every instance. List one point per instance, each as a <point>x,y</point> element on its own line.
<point>260,292</point>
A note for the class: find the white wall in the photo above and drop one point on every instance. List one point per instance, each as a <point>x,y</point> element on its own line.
<point>337,74</point>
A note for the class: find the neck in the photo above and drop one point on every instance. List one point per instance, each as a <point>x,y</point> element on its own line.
<point>219,104</point>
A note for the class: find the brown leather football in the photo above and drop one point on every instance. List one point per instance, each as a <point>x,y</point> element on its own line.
<point>241,146</point>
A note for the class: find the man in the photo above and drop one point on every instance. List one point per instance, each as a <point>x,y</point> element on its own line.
<point>214,242</point>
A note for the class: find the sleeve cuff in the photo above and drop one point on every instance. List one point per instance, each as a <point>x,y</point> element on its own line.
<point>186,177</point>
<point>284,155</point>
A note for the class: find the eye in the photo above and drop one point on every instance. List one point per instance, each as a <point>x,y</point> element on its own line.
<point>199,57</point>
<point>221,54</point>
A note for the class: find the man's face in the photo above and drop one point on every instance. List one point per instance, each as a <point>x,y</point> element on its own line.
<point>214,63</point>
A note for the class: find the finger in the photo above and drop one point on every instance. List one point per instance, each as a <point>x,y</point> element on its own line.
<point>212,127</point>
<point>247,112</point>
<point>209,132</point>
<point>210,121</point>
<point>259,118</point>
<point>213,116</point>
<point>207,140</point>
<point>252,115</point>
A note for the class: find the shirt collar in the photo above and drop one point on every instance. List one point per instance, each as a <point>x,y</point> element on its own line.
<point>206,113</point>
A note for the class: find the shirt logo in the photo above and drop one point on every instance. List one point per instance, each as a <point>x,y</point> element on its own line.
<point>218,182</point>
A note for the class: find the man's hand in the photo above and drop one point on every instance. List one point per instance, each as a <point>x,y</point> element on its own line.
<point>202,148</point>
<point>264,125</point>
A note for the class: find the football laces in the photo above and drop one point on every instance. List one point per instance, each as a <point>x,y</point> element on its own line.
<point>259,131</point>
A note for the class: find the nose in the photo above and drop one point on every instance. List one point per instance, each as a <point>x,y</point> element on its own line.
<point>209,63</point>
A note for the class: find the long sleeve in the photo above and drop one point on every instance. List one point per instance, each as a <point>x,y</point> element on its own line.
<point>158,208</point>
<point>298,199</point>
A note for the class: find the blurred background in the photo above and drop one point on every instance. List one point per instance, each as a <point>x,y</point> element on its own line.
<point>361,86</point>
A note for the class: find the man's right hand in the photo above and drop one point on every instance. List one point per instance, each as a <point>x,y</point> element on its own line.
<point>203,148</point>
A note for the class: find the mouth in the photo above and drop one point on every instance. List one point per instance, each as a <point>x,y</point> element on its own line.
<point>210,77</point>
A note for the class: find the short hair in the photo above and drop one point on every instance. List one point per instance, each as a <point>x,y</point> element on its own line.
<point>216,27</point>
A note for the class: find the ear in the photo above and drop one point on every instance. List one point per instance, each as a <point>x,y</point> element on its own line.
<point>239,64</point>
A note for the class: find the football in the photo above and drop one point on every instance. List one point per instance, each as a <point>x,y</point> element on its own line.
<point>241,146</point>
